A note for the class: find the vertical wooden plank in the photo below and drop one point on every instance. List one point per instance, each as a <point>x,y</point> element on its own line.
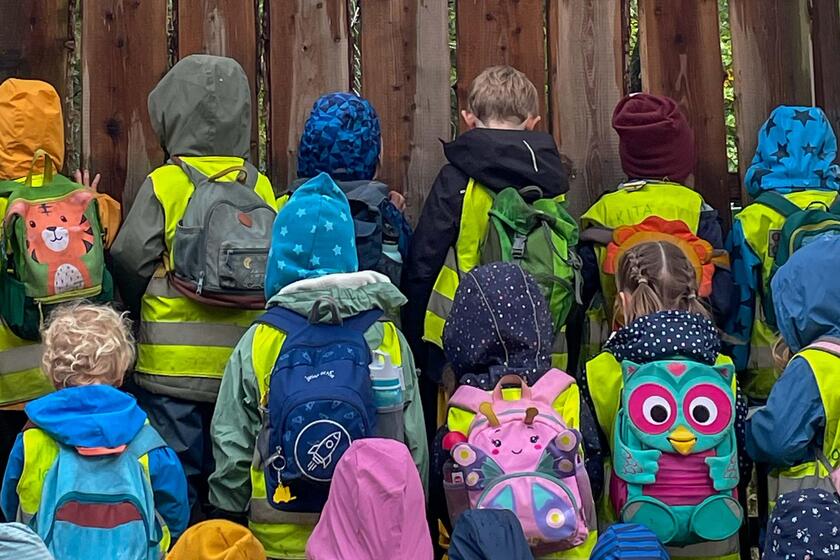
<point>771,62</point>
<point>124,55</point>
<point>825,37</point>
<point>492,32</point>
<point>34,40</point>
<point>586,69</point>
<point>680,51</point>
<point>405,57</point>
<point>308,55</point>
<point>223,28</point>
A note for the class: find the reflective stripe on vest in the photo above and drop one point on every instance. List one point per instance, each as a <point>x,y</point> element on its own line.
<point>284,534</point>
<point>40,452</point>
<point>21,378</point>
<point>812,474</point>
<point>180,337</point>
<point>759,224</point>
<point>459,260</point>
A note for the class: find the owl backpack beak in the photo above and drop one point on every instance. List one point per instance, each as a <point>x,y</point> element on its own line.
<point>682,440</point>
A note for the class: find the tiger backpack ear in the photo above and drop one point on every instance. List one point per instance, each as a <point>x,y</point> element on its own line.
<point>628,369</point>
<point>16,208</point>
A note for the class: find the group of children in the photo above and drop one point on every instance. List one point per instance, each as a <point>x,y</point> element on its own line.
<point>259,375</point>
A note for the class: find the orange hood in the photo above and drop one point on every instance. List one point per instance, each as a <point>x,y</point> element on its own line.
<point>30,119</point>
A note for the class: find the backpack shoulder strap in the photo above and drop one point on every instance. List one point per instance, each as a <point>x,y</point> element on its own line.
<point>282,319</point>
<point>551,384</point>
<point>363,321</point>
<point>596,234</point>
<point>829,345</point>
<point>146,440</point>
<point>778,202</point>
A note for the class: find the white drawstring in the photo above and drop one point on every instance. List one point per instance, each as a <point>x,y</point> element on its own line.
<point>533,156</point>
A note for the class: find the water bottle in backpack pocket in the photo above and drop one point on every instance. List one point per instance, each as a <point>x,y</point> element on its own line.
<point>320,400</point>
<point>101,505</point>
<point>221,244</point>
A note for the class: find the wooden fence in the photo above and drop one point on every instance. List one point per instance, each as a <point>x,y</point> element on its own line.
<point>785,51</point>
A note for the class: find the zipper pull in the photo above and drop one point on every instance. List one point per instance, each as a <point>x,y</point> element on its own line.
<point>200,286</point>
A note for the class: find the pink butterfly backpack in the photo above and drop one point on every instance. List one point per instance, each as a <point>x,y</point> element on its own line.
<point>521,456</point>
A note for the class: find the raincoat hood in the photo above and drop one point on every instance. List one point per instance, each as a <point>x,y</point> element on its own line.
<point>796,151</point>
<point>30,119</point>
<point>353,293</point>
<point>484,534</point>
<point>806,294</point>
<point>499,320</point>
<point>376,507</point>
<point>202,107</point>
<point>666,334</point>
<point>88,416</point>
<point>509,158</point>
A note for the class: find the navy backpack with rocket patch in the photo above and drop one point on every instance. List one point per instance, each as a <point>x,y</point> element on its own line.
<point>319,401</point>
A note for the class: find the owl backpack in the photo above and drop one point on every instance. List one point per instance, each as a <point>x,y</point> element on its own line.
<point>519,455</point>
<point>675,459</point>
<point>52,250</point>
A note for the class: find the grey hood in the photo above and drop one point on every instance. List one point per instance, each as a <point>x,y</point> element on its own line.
<point>202,107</point>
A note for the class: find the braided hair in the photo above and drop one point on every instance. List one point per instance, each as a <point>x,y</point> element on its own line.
<point>656,276</point>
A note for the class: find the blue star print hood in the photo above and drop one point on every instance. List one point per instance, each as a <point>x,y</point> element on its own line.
<point>499,322</point>
<point>313,236</point>
<point>796,151</point>
<point>806,294</point>
<point>666,334</point>
<point>88,416</point>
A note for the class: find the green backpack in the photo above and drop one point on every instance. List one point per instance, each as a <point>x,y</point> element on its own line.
<point>801,226</point>
<point>52,250</point>
<point>539,237</point>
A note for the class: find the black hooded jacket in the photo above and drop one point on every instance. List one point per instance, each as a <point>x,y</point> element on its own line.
<point>485,534</point>
<point>495,158</point>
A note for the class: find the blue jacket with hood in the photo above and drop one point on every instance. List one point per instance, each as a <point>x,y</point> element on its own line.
<point>806,296</point>
<point>796,152</point>
<point>100,416</point>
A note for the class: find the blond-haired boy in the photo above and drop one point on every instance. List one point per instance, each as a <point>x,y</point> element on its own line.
<point>87,351</point>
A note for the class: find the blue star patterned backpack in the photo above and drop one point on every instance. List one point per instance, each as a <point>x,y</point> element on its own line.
<point>320,399</point>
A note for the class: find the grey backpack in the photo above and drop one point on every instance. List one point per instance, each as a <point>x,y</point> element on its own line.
<point>221,244</point>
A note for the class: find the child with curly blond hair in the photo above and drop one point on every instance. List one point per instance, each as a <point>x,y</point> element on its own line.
<point>86,427</point>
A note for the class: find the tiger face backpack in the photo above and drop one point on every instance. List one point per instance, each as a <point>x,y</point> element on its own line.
<point>675,459</point>
<point>519,455</point>
<point>52,250</point>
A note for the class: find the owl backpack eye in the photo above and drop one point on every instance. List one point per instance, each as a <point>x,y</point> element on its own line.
<point>652,408</point>
<point>708,409</point>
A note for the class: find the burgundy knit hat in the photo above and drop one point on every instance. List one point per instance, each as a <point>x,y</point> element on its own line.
<point>655,139</point>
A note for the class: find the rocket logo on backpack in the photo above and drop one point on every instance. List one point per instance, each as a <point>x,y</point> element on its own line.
<point>319,401</point>
<point>675,453</point>
<point>521,456</point>
<point>101,502</point>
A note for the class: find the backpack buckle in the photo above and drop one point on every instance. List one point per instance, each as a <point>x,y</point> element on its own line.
<point>518,249</point>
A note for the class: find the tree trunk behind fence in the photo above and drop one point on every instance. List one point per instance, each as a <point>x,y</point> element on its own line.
<point>224,28</point>
<point>492,32</point>
<point>680,48</point>
<point>124,55</point>
<point>405,61</point>
<point>308,55</point>
<point>772,65</point>
<point>586,53</point>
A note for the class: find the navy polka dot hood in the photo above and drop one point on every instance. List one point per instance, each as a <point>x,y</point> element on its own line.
<point>666,334</point>
<point>499,323</point>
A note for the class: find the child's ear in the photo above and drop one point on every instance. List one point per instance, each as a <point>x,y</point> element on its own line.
<point>532,122</point>
<point>469,119</point>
